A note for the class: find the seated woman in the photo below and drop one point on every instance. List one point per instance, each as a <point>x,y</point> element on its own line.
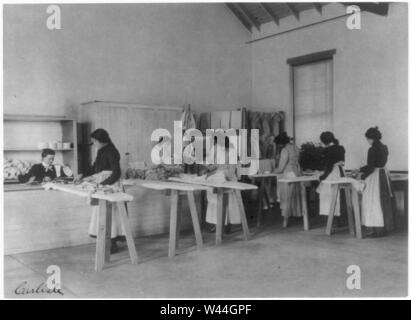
<point>334,158</point>
<point>288,167</point>
<point>42,172</point>
<point>377,208</point>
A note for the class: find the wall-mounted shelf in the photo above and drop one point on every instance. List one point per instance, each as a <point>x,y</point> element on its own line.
<point>33,118</point>
<point>22,133</point>
<point>33,149</point>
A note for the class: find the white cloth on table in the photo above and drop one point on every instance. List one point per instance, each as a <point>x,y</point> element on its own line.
<point>325,191</point>
<point>371,211</point>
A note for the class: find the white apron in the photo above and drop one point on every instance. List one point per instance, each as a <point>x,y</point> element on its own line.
<point>371,211</point>
<point>325,191</point>
<point>116,226</point>
<point>233,215</point>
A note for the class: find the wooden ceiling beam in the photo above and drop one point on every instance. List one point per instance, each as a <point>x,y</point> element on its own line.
<point>239,16</point>
<point>241,7</point>
<point>376,8</point>
<point>270,12</point>
<point>293,10</point>
<point>318,7</point>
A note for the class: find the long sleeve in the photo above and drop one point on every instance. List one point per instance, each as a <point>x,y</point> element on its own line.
<point>283,161</point>
<point>114,166</point>
<point>33,172</point>
<point>370,166</point>
<point>88,171</point>
<point>39,173</point>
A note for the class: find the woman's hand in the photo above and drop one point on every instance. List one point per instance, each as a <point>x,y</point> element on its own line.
<point>31,180</point>
<point>356,173</point>
<point>78,179</point>
<point>46,179</point>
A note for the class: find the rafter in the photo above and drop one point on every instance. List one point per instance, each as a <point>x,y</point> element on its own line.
<point>270,12</point>
<point>318,7</point>
<point>241,7</point>
<point>376,8</point>
<point>239,16</point>
<point>293,10</point>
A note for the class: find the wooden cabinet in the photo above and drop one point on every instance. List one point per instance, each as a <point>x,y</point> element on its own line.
<point>129,125</point>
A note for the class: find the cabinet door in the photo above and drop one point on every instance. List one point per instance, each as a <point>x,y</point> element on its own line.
<point>142,123</point>
<point>115,121</point>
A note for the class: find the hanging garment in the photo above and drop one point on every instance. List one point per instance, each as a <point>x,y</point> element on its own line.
<point>236,119</point>
<point>205,121</point>
<point>275,124</point>
<point>187,118</point>
<point>282,121</point>
<point>255,120</point>
<point>225,120</point>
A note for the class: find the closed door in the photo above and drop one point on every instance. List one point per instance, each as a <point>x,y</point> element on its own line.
<point>142,123</point>
<point>313,100</point>
<point>114,121</point>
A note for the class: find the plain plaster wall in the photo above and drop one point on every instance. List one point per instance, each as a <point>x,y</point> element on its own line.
<point>370,75</point>
<point>155,54</point>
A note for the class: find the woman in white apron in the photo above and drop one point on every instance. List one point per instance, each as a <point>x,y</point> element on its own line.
<point>222,171</point>
<point>334,158</point>
<point>105,171</point>
<point>377,207</point>
<point>288,167</point>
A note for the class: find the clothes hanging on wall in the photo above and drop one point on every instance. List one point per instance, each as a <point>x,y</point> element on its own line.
<point>236,119</point>
<point>269,124</point>
<point>204,121</point>
<point>187,117</point>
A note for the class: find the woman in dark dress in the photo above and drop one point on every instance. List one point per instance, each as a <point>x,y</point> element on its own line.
<point>334,158</point>
<point>377,213</point>
<point>105,171</point>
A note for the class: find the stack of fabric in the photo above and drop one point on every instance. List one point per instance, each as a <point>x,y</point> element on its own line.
<point>13,168</point>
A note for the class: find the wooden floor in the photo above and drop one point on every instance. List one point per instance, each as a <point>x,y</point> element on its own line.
<point>277,262</point>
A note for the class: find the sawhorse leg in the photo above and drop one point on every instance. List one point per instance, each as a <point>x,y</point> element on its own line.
<point>174,212</point>
<point>194,218</point>
<point>222,203</point>
<point>357,214</point>
<point>103,244</point>
<point>129,236</point>
<point>350,210</point>
<point>289,189</point>
<point>304,206</point>
<point>262,195</point>
<point>334,196</point>
<point>243,216</point>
